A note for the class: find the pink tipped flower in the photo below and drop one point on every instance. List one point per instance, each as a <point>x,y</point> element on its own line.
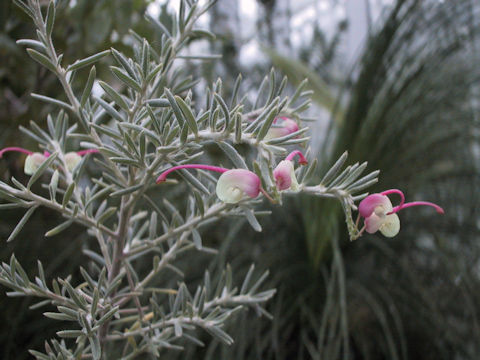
<point>285,127</point>
<point>35,159</point>
<point>32,161</point>
<point>232,185</point>
<point>284,173</point>
<point>380,215</point>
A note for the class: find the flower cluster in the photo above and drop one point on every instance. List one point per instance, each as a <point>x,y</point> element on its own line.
<point>35,159</point>
<point>234,184</point>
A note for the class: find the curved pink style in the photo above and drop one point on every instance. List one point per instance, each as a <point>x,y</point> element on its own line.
<point>45,153</point>
<point>301,161</point>
<point>398,192</point>
<point>418,203</point>
<point>367,205</point>
<point>163,176</point>
<point>88,151</point>
<point>16,149</point>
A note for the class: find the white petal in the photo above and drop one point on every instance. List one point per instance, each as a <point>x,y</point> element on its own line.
<point>33,162</point>
<point>391,225</point>
<point>72,159</point>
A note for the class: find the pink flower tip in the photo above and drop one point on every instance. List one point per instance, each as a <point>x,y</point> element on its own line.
<point>161,178</point>
<point>284,173</point>
<point>301,159</point>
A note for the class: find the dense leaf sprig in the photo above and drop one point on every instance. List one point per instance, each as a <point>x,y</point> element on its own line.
<point>145,122</point>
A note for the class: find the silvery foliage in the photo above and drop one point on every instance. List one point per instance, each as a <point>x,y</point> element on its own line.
<point>148,127</point>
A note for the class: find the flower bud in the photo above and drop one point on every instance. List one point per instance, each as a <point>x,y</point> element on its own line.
<point>285,127</point>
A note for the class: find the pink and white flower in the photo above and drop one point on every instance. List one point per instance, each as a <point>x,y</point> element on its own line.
<point>35,159</point>
<point>232,186</point>
<point>380,215</point>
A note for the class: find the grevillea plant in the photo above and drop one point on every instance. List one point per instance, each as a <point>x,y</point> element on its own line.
<point>144,137</point>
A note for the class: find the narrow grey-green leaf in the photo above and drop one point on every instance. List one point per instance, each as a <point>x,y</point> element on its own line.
<point>68,194</point>
<point>219,334</point>
<point>197,239</point>
<point>87,61</point>
<point>204,33</point>
<point>106,214</point>
<point>267,124</point>
<point>176,109</point>
<point>252,220</point>
<point>109,109</point>
<point>52,187</point>
<point>37,45</point>
<point>189,117</point>
<point>154,73</point>
<point>70,333</point>
<point>199,202</point>
<point>246,281</point>
<point>126,79</point>
<point>59,316</point>
<point>193,181</point>
<point>158,25</point>
<point>114,95</point>
<point>96,348</point>
<point>334,169</point>
<point>238,128</point>
<point>88,87</point>
<point>42,59</point>
<point>25,8</point>
<point>50,19</point>
<point>22,223</point>
<point>224,107</point>
<point>108,315</point>
<point>126,191</point>
<point>58,229</point>
<point>233,154</point>
<point>158,102</point>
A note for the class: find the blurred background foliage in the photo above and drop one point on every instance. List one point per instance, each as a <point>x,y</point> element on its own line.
<point>409,106</point>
